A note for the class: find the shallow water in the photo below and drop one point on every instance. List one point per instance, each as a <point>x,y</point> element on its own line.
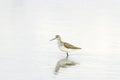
<point>27,26</point>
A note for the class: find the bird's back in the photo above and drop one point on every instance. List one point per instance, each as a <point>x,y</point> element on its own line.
<point>70,46</point>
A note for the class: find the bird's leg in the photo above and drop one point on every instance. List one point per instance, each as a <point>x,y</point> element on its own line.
<point>67,54</point>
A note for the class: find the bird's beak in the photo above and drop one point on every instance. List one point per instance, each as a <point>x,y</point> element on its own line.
<point>52,39</point>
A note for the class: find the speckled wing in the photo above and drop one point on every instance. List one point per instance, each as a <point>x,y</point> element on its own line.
<point>69,46</point>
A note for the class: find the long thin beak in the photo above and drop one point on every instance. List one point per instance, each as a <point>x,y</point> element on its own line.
<point>52,39</point>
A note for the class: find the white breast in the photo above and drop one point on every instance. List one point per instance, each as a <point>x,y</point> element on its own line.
<point>62,48</point>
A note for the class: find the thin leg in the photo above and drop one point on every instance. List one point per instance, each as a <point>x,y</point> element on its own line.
<point>67,54</point>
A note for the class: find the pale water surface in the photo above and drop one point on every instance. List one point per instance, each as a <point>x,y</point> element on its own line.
<point>27,26</point>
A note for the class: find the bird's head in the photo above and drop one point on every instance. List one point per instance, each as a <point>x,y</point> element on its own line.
<point>56,37</point>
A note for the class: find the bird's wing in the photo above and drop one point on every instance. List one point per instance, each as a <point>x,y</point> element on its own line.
<point>69,46</point>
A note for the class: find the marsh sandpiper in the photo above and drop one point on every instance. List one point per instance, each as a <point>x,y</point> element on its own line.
<point>64,46</point>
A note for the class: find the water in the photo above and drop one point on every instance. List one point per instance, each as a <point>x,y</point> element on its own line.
<point>27,26</point>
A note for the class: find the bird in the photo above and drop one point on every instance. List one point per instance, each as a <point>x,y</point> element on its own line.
<point>64,46</point>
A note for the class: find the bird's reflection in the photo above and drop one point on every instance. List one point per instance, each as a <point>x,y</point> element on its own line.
<point>64,63</point>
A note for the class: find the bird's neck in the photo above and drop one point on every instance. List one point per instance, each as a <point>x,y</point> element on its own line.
<point>59,41</point>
